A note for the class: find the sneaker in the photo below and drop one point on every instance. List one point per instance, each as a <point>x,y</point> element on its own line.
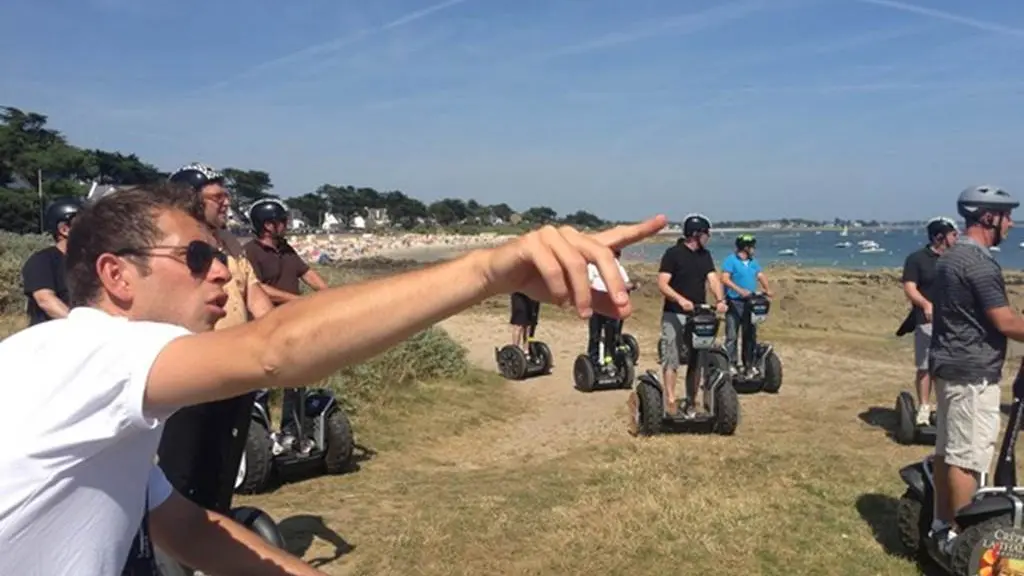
<point>944,537</point>
<point>924,414</point>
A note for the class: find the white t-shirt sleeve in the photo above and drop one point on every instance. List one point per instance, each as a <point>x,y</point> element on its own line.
<point>143,343</point>
<point>159,487</point>
<point>597,283</point>
<point>625,277</point>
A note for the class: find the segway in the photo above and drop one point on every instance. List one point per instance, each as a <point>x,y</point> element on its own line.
<point>324,443</point>
<point>708,367</point>
<point>620,372</point>
<point>908,431</point>
<point>514,364</point>
<point>763,372</point>
<point>991,526</point>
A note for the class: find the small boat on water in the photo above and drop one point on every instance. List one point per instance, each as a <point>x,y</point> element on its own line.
<point>872,250</point>
<point>994,249</point>
<point>787,252</point>
<point>843,244</point>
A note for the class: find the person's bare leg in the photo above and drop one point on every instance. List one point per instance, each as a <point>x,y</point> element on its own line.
<point>962,485</point>
<point>923,385</point>
<point>518,336</point>
<point>668,376</point>
<point>943,509</point>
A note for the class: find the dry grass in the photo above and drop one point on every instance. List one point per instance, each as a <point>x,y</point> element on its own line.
<point>536,478</point>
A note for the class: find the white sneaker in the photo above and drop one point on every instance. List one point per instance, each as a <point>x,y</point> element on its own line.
<point>924,413</point>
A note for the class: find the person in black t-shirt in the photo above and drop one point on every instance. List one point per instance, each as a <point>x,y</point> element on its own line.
<point>42,275</point>
<point>918,285</point>
<point>687,270</point>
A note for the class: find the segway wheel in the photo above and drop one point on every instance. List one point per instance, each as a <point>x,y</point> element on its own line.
<point>971,545</point>
<point>772,373</point>
<point>634,347</point>
<point>512,362</point>
<point>583,373</point>
<point>256,465</point>
<point>727,409</point>
<point>259,522</point>
<point>541,351</point>
<point>627,373</point>
<point>720,363</point>
<point>905,412</point>
<point>340,443</point>
<point>911,523</point>
<point>651,408</point>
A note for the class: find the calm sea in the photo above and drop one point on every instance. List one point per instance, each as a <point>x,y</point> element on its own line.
<point>819,249</point>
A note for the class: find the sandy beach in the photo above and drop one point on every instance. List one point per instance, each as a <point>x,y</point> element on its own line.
<point>422,247</point>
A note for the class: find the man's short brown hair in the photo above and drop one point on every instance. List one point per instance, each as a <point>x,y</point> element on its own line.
<point>123,220</point>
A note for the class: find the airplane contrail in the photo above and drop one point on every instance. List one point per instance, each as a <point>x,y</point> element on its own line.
<point>947,16</point>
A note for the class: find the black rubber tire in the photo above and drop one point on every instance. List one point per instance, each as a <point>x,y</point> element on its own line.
<point>542,351</point>
<point>652,409</point>
<point>259,522</point>
<point>634,347</point>
<point>259,460</point>
<point>772,373</point>
<point>720,361</point>
<point>912,522</point>
<point>340,442</point>
<point>966,541</point>
<point>906,430</point>
<point>727,410</point>
<point>628,374</point>
<point>512,362</point>
<point>583,373</point>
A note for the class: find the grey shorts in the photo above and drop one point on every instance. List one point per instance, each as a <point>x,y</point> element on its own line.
<point>968,423</point>
<point>673,349</point>
<point>922,341</point>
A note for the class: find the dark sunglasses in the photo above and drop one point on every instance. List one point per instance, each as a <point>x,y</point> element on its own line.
<point>199,255</point>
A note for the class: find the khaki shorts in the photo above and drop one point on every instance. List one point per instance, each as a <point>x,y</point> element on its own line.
<point>968,423</point>
<point>922,341</point>
<point>673,349</point>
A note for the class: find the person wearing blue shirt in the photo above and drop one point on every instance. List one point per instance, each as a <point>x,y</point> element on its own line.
<point>741,274</point>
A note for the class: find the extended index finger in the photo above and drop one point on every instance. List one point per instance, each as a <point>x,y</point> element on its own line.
<point>622,236</point>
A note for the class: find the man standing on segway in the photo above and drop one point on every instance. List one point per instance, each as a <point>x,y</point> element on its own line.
<point>525,314</point>
<point>280,268</point>
<point>600,324</point>
<point>919,287</point>
<point>687,269</point>
<point>42,275</point>
<point>971,320</point>
<point>202,445</point>
<point>741,274</point>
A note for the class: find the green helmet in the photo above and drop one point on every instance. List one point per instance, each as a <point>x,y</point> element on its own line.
<point>744,241</point>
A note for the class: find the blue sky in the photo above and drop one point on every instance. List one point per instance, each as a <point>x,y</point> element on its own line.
<point>738,109</point>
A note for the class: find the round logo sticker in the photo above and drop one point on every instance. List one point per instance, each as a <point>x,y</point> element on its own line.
<point>1000,553</point>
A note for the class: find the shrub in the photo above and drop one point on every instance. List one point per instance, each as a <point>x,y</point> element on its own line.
<point>14,250</point>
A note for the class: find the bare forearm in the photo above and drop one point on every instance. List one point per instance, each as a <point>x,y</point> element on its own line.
<point>716,286</point>
<point>915,296</point>
<point>314,280</point>
<point>219,545</point>
<point>727,281</point>
<point>311,338</point>
<point>257,301</point>
<point>278,296</point>
<point>53,306</point>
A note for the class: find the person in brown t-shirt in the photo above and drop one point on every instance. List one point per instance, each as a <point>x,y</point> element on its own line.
<point>276,263</point>
<point>279,269</point>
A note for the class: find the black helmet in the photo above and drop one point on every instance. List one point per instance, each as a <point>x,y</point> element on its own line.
<point>695,224</point>
<point>266,210</point>
<point>744,241</point>
<point>940,225</point>
<point>60,210</point>
<point>196,176</point>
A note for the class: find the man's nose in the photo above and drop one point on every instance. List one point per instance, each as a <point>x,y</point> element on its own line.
<point>219,272</point>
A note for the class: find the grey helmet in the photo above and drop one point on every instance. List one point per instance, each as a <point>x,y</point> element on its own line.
<point>977,200</point>
<point>694,224</point>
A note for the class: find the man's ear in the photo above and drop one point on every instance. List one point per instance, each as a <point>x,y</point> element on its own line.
<point>116,276</point>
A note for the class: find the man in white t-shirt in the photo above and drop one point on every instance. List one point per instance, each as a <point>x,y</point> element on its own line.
<point>89,393</point>
<point>600,324</point>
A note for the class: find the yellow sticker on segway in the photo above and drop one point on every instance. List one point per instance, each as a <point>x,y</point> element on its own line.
<point>1002,554</point>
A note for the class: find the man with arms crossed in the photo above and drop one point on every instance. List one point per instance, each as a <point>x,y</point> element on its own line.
<point>686,271</point>
<point>278,266</point>
<point>42,275</point>
<point>971,320</point>
<point>202,445</point>
<point>919,287</point>
<point>147,281</point>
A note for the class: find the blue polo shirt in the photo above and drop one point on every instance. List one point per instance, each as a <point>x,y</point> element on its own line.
<point>742,272</point>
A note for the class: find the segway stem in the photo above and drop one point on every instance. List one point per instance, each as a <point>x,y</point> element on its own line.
<point>1006,466</point>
